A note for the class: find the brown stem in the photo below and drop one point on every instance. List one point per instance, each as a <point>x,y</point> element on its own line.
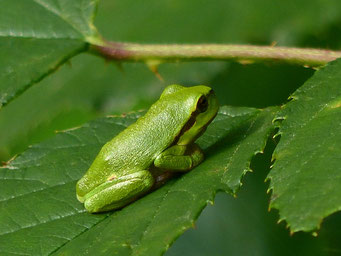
<point>158,53</point>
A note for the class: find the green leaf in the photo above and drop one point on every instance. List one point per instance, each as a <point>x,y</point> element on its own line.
<point>36,36</point>
<point>39,213</point>
<point>306,177</point>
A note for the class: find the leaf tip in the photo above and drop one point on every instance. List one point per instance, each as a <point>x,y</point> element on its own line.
<point>211,202</point>
<point>280,221</point>
<point>193,225</point>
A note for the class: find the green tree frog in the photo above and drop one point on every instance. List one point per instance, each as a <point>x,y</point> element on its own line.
<point>161,141</point>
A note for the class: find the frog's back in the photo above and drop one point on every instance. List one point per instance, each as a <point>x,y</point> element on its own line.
<point>139,144</point>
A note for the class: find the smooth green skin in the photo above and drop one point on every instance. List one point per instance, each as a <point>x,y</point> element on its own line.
<point>161,141</point>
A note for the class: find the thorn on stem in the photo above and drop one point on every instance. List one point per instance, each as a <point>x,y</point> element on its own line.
<point>153,66</point>
<point>120,66</point>
<point>246,62</point>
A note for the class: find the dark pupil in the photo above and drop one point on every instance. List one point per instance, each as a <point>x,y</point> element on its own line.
<point>202,104</point>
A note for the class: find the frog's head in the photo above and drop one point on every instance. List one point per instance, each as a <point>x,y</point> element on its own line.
<point>204,107</point>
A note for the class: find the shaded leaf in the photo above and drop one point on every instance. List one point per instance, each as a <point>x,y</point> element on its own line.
<point>40,214</point>
<point>306,177</point>
<point>36,36</point>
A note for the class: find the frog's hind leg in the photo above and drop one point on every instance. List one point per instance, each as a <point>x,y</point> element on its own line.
<point>118,192</point>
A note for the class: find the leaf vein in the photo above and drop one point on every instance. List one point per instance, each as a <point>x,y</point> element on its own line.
<point>58,14</point>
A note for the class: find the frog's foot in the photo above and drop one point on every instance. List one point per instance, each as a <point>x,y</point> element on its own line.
<point>118,192</point>
<point>180,158</point>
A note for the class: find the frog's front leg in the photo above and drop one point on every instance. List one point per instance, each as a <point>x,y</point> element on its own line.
<point>180,158</point>
<point>117,192</point>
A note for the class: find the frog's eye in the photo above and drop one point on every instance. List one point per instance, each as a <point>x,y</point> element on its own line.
<point>202,104</point>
